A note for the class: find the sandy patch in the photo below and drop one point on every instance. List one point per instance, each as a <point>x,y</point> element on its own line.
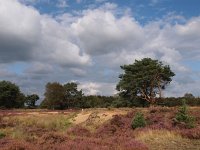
<point>97,116</point>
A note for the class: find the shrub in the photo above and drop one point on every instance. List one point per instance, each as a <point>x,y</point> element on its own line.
<point>2,135</point>
<point>182,116</point>
<point>138,121</point>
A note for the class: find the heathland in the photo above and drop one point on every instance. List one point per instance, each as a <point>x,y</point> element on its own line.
<point>98,128</point>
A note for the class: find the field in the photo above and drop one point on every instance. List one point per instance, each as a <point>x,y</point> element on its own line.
<point>105,129</point>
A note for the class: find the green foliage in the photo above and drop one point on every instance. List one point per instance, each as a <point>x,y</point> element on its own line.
<point>31,100</point>
<point>138,121</point>
<point>97,101</point>
<point>139,102</point>
<point>54,95</point>
<point>2,135</point>
<point>189,95</point>
<point>10,95</point>
<point>183,116</point>
<point>177,101</point>
<point>73,97</point>
<point>59,96</point>
<point>145,78</point>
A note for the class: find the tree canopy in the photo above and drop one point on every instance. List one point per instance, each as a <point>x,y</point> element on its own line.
<point>58,96</point>
<point>145,78</point>
<point>73,96</point>
<point>31,100</point>
<point>189,95</point>
<point>10,95</point>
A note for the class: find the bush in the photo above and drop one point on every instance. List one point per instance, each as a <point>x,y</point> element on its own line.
<point>138,121</point>
<point>2,135</point>
<point>182,116</point>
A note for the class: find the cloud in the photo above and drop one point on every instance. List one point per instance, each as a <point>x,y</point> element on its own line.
<point>114,34</point>
<point>5,73</point>
<point>19,31</point>
<point>29,2</point>
<point>27,35</point>
<point>100,1</point>
<point>78,72</point>
<point>39,68</point>
<point>90,45</point>
<point>62,4</point>
<point>97,88</point>
<point>123,37</point>
<point>79,1</point>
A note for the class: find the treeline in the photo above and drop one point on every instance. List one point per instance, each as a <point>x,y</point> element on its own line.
<point>58,96</point>
<point>174,101</point>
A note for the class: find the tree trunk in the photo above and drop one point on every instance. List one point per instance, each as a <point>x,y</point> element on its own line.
<point>152,102</point>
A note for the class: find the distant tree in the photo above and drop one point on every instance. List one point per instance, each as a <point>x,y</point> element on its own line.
<point>145,78</point>
<point>31,100</point>
<point>54,95</point>
<point>188,95</point>
<point>10,95</point>
<point>59,96</point>
<point>20,101</point>
<point>73,96</point>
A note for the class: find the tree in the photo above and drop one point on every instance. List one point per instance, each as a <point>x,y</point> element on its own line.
<point>182,116</point>
<point>59,96</point>
<point>188,95</point>
<point>54,95</point>
<point>31,100</point>
<point>10,95</point>
<point>145,78</point>
<point>73,96</point>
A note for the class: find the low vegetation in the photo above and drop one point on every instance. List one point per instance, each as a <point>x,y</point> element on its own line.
<point>138,121</point>
<point>183,117</point>
<point>98,129</point>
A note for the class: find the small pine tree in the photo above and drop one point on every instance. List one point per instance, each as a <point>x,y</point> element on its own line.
<point>138,121</point>
<point>183,116</point>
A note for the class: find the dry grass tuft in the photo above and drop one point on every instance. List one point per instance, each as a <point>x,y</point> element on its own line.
<point>166,140</point>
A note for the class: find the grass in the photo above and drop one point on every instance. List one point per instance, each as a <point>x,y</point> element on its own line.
<point>158,135</point>
<point>29,127</point>
<point>167,140</point>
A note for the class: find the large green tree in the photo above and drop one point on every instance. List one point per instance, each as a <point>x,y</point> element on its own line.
<point>58,96</point>
<point>54,95</point>
<point>73,96</point>
<point>145,78</point>
<point>10,95</point>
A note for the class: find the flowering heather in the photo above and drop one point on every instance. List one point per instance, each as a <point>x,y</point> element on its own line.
<point>103,144</point>
<point>10,144</point>
<point>115,133</point>
<point>78,131</point>
<point>193,133</point>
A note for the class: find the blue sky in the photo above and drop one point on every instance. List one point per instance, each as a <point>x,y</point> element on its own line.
<point>149,9</point>
<point>87,40</point>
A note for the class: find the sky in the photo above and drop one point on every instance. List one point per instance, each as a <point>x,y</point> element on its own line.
<point>86,41</point>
